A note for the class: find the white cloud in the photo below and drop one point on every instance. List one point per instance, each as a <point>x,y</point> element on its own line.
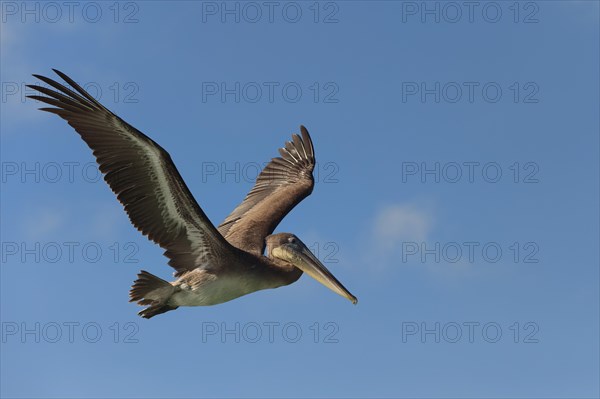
<point>58,221</point>
<point>391,226</point>
<point>401,222</point>
<point>43,223</point>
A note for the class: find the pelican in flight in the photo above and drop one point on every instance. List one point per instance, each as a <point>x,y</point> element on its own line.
<point>212,264</point>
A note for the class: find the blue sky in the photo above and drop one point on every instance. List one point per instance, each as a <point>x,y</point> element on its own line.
<point>457,198</point>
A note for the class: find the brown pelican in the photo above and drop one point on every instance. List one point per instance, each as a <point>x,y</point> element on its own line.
<point>212,265</point>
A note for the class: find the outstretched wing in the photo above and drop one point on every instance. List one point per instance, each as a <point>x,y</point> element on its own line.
<point>143,177</point>
<point>281,185</point>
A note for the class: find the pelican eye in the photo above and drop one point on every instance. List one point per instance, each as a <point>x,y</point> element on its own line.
<point>292,240</point>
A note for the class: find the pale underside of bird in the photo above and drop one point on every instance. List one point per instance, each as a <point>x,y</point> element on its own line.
<point>212,264</point>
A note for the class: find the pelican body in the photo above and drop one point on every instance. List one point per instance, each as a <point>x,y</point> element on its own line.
<point>212,264</point>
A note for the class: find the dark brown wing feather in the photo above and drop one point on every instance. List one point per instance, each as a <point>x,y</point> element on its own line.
<point>281,185</point>
<point>143,177</point>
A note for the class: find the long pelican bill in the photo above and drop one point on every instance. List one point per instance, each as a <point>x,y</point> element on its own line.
<point>300,256</point>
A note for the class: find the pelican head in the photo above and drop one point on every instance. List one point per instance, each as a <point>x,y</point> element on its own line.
<point>288,248</point>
